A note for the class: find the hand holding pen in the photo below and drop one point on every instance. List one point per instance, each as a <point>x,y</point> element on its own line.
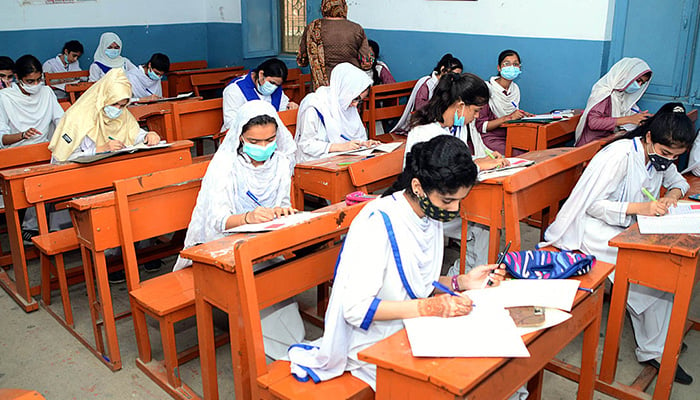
<point>264,214</point>
<point>654,207</point>
<point>450,305</point>
<point>499,271</point>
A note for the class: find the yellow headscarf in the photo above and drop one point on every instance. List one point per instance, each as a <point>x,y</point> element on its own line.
<point>87,118</point>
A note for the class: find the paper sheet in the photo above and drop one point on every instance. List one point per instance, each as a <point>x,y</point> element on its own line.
<point>552,317</point>
<point>553,293</point>
<point>485,332</point>
<point>366,151</point>
<point>516,165</point>
<point>276,224</point>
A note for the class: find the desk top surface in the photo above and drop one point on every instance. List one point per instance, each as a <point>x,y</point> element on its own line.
<point>537,156</point>
<point>188,72</point>
<point>331,164</point>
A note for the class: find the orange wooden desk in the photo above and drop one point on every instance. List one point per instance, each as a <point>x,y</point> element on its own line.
<point>331,178</point>
<point>179,81</point>
<point>402,376</point>
<point>76,178</point>
<point>529,136</point>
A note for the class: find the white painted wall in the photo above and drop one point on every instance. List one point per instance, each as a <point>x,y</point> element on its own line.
<point>223,10</point>
<point>566,19</point>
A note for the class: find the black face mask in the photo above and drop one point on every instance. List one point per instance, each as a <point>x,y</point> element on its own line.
<point>660,163</point>
<point>434,212</point>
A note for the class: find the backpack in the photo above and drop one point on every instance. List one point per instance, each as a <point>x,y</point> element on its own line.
<point>540,264</point>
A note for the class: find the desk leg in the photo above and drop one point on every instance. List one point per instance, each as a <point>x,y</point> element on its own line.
<point>494,243</point>
<point>297,196</point>
<point>18,289</point>
<point>92,297</point>
<point>589,352</point>
<point>534,386</point>
<point>205,336</point>
<point>616,315</point>
<point>241,372</point>
<point>107,311</point>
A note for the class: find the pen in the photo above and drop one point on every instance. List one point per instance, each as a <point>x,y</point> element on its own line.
<point>345,137</point>
<point>252,197</point>
<point>586,289</point>
<point>514,105</point>
<point>635,110</point>
<point>502,257</point>
<point>489,153</point>
<point>444,288</point>
<point>149,92</point>
<point>648,194</point>
<point>111,138</point>
<point>346,163</point>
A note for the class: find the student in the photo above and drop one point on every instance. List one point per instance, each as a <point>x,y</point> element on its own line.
<point>607,199</point>
<point>328,118</point>
<point>108,56</point>
<point>694,159</point>
<point>263,83</point>
<point>99,121</point>
<point>66,61</point>
<point>248,182</point>
<point>423,90</point>
<point>29,110</point>
<point>380,73</point>
<point>504,102</point>
<point>612,105</point>
<point>451,111</point>
<point>145,79</point>
<point>372,293</point>
<point>7,72</point>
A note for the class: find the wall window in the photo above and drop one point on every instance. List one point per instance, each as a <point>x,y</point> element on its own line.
<point>293,22</point>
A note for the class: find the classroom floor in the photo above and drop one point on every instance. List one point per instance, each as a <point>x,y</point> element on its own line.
<point>37,353</point>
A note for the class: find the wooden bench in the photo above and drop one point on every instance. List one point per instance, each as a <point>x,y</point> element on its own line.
<point>62,77</point>
<point>179,81</point>
<point>188,65</point>
<point>75,90</point>
<point>289,119</point>
<point>377,173</point>
<point>224,278</point>
<point>530,136</point>
<point>297,85</point>
<point>197,121</point>
<point>213,80</point>
<point>386,102</point>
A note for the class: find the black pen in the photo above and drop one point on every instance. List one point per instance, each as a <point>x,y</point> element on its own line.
<point>501,257</point>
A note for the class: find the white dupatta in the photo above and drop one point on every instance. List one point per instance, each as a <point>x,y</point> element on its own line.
<point>19,112</point>
<point>501,101</point>
<point>430,81</point>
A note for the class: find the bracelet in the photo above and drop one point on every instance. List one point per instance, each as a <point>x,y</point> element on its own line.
<point>21,135</point>
<point>455,283</point>
<point>245,217</point>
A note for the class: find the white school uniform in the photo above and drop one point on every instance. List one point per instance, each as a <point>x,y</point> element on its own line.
<point>596,212</point>
<point>234,99</point>
<point>19,112</point>
<point>430,81</point>
<point>694,159</point>
<point>102,64</point>
<point>55,65</point>
<point>340,122</point>
<point>502,102</point>
<point>141,84</point>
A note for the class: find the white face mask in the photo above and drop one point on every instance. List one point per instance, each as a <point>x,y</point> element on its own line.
<point>32,89</point>
<point>112,112</point>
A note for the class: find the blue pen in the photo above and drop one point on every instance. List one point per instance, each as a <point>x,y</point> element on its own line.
<point>444,288</point>
<point>252,197</point>
<point>345,137</point>
<point>149,92</point>
<point>636,110</point>
<point>514,105</point>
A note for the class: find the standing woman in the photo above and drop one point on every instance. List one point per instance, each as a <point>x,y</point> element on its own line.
<point>108,56</point>
<point>423,90</point>
<point>504,102</point>
<point>329,120</point>
<point>612,105</point>
<point>333,40</point>
<point>29,110</point>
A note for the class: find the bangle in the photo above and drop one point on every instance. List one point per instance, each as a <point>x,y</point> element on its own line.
<point>455,283</point>
<point>245,217</point>
<point>21,135</point>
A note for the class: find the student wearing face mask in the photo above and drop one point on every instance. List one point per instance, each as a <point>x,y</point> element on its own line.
<point>262,83</point>
<point>607,199</point>
<point>328,118</point>
<point>66,61</point>
<point>99,121</point>
<point>29,110</point>
<point>612,105</point>
<point>145,79</point>
<point>7,72</point>
<point>248,181</point>
<point>504,102</point>
<point>108,56</point>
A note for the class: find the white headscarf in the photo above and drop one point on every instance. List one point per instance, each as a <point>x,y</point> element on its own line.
<point>501,103</point>
<point>107,39</point>
<point>231,175</point>
<point>333,102</point>
<point>613,84</point>
<point>40,111</point>
<point>430,81</point>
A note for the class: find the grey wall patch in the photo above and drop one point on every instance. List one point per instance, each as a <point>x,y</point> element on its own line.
<point>67,138</point>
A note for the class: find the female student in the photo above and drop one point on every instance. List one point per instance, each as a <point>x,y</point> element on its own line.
<point>99,121</point>
<point>248,182</point>
<point>262,83</point>
<point>607,199</point>
<point>328,118</point>
<point>372,292</point>
<point>504,102</point>
<point>7,72</point>
<point>66,61</point>
<point>380,71</point>
<point>423,90</point>
<point>612,104</point>
<point>145,79</point>
<point>694,159</point>
<point>29,110</point>
<point>108,56</point>
<point>451,111</point>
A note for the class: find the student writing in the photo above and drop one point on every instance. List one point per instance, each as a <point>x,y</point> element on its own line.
<point>145,79</point>
<point>66,61</point>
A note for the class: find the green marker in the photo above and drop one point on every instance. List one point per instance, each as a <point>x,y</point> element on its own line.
<point>648,194</point>
<point>489,153</point>
<point>346,163</point>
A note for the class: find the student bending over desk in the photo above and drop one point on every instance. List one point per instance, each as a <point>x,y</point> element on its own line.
<point>66,61</point>
<point>99,121</point>
<point>145,79</point>
<point>606,200</point>
<point>246,182</point>
<point>392,254</point>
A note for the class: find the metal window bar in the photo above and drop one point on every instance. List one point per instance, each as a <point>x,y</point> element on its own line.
<point>293,24</point>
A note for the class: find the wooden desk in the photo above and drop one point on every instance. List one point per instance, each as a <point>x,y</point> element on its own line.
<point>329,180</point>
<point>70,179</point>
<point>402,376</point>
<point>529,136</point>
<point>179,81</point>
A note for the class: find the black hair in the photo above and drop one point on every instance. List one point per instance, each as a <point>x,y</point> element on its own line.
<point>6,63</point>
<point>443,164</point>
<point>160,61</point>
<point>259,120</point>
<point>27,64</point>
<point>375,49</point>
<point>452,87</point>
<point>273,67</point>
<point>670,126</point>
<point>506,53</point>
<point>73,46</point>
<point>448,63</point>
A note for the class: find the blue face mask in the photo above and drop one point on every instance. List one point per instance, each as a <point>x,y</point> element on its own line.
<point>112,53</point>
<point>153,75</point>
<point>112,112</point>
<point>510,72</point>
<point>259,153</point>
<point>267,88</point>
<point>633,87</point>
<point>459,121</point>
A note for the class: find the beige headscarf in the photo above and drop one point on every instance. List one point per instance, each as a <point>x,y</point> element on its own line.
<point>87,118</point>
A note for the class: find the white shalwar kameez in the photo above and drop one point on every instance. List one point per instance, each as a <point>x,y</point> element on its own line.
<point>694,159</point>
<point>431,82</point>
<point>55,65</point>
<point>234,98</point>
<point>102,64</point>
<point>477,234</point>
<point>142,85</point>
<point>596,212</point>
<point>229,176</point>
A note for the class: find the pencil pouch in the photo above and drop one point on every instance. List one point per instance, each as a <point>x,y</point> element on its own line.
<point>358,197</point>
<point>540,264</point>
